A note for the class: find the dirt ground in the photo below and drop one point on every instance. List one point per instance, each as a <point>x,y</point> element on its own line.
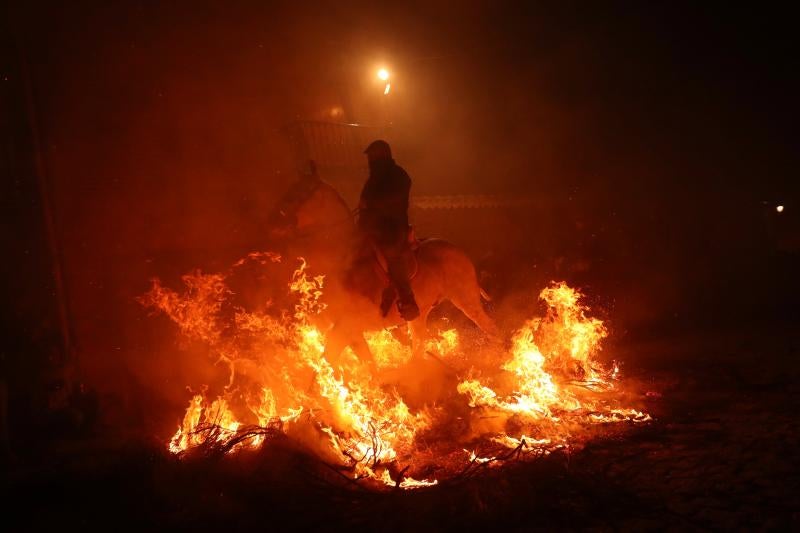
<point>722,453</point>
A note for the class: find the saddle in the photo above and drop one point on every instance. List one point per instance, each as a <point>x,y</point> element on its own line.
<point>369,275</point>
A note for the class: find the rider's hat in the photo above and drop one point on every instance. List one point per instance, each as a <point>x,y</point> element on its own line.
<point>378,150</point>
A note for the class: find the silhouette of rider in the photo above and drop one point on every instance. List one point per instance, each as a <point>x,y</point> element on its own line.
<point>383,221</point>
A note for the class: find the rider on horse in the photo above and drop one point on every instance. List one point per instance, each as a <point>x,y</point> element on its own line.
<point>383,223</point>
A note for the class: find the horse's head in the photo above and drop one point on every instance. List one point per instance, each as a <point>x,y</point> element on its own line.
<point>310,207</point>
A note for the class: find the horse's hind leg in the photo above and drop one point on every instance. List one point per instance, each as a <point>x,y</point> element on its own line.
<point>462,289</point>
<point>469,302</point>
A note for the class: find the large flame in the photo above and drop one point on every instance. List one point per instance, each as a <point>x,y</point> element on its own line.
<point>555,374</point>
<point>550,387</point>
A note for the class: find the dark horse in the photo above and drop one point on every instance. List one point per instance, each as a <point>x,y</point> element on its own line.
<point>317,222</point>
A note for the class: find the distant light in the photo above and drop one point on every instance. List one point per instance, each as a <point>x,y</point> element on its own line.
<point>383,74</point>
<point>779,209</point>
<point>388,87</point>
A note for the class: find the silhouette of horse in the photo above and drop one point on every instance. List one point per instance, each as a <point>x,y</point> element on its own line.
<point>316,221</point>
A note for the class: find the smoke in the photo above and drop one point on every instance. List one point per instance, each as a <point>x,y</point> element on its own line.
<point>164,144</point>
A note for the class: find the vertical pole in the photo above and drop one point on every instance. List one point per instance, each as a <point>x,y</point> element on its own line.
<point>69,356</point>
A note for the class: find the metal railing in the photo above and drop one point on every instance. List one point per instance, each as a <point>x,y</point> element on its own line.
<point>337,151</point>
<point>336,148</point>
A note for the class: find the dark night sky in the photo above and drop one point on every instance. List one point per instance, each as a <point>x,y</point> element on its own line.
<point>661,125</point>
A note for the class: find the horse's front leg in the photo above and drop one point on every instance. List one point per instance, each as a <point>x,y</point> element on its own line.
<point>364,354</point>
<point>419,334</point>
<point>335,343</point>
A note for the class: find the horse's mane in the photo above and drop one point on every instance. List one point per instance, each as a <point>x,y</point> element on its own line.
<point>322,184</point>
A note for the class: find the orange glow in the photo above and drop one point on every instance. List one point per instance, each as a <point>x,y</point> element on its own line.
<point>550,387</point>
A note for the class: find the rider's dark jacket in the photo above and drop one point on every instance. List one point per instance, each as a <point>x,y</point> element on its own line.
<point>383,209</point>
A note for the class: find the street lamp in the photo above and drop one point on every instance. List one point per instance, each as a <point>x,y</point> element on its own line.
<point>383,75</point>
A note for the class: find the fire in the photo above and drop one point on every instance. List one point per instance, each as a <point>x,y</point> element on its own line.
<point>391,353</point>
<point>446,343</point>
<point>554,368</point>
<point>549,387</point>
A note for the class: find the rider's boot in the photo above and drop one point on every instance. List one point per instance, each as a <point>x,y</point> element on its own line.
<point>399,275</point>
<point>407,305</point>
<point>387,299</point>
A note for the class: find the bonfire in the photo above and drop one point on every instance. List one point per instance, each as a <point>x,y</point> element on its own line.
<point>547,392</point>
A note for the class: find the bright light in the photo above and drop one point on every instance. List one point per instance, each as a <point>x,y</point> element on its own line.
<point>388,87</point>
<point>779,209</point>
<point>383,74</point>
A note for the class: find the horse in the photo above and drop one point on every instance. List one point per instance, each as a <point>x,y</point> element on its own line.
<point>320,226</point>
